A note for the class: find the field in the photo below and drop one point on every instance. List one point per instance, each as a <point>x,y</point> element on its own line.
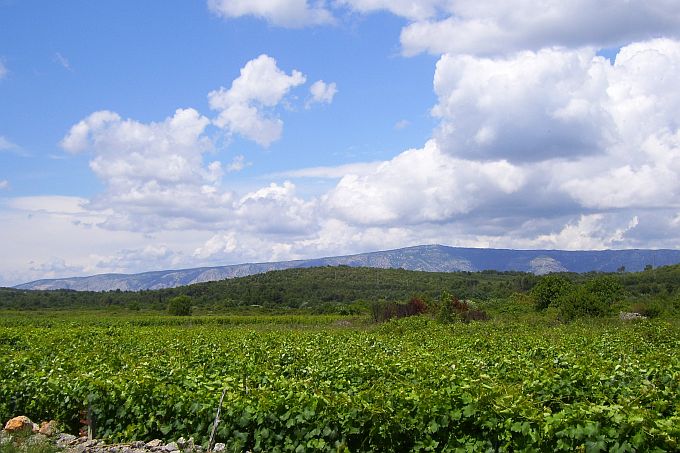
<point>326,383</point>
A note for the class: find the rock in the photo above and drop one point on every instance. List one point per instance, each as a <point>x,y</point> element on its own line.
<point>20,424</point>
<point>181,443</point>
<point>49,428</point>
<point>138,444</point>
<point>172,446</point>
<point>154,443</point>
<point>624,316</point>
<point>91,443</point>
<point>65,439</point>
<point>219,447</point>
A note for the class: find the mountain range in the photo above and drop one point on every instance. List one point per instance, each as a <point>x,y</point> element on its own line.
<point>431,258</point>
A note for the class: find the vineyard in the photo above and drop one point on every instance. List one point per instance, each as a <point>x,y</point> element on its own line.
<point>314,384</point>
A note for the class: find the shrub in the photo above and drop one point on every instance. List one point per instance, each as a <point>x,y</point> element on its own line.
<point>549,290</point>
<point>180,306</point>
<point>648,309</point>
<point>606,288</point>
<point>451,309</point>
<point>582,302</point>
<point>474,315</point>
<point>382,311</point>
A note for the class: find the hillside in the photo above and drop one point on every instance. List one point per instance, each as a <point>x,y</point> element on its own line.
<point>320,287</point>
<point>430,258</point>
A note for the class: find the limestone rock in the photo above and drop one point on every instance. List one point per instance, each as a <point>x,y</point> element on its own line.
<point>20,424</point>
<point>154,443</point>
<point>48,428</point>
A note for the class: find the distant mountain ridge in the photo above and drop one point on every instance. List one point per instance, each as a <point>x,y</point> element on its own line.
<point>431,258</point>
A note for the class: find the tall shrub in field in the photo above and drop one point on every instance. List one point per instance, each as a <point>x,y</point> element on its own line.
<point>180,306</point>
<point>549,290</point>
<point>594,298</point>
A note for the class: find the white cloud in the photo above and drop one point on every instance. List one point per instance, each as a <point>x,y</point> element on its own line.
<point>4,184</point>
<point>591,232</point>
<point>605,134</point>
<point>152,172</point>
<point>6,145</point>
<point>531,106</point>
<point>414,10</point>
<point>276,209</point>
<point>62,61</point>
<point>402,124</point>
<point>3,70</point>
<point>238,163</point>
<point>322,92</point>
<point>421,185</point>
<point>285,13</point>
<point>243,107</point>
<point>336,172</point>
<point>486,27</point>
<point>218,245</point>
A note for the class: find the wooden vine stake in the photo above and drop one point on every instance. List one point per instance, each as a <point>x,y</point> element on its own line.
<point>216,422</point>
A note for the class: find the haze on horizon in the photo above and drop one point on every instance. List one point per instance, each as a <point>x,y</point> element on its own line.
<point>137,136</point>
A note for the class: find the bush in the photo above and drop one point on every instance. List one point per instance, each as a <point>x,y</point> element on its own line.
<point>451,309</point>
<point>648,309</point>
<point>582,302</point>
<point>382,311</point>
<point>608,289</point>
<point>549,290</point>
<point>180,306</point>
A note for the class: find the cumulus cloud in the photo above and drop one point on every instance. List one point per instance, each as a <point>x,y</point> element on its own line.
<point>490,27</point>
<point>421,185</point>
<point>590,232</point>
<point>605,134</point>
<point>531,106</point>
<point>4,184</point>
<point>152,171</point>
<point>242,108</point>
<point>290,13</point>
<point>322,92</point>
<point>276,209</point>
<point>218,245</point>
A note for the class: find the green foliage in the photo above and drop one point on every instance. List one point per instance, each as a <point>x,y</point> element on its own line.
<point>606,288</point>
<point>407,385</point>
<point>450,309</point>
<point>180,306</point>
<point>549,290</point>
<point>25,442</point>
<point>293,288</point>
<point>593,298</point>
<point>581,303</point>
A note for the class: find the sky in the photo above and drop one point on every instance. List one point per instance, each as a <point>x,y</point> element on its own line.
<point>163,134</point>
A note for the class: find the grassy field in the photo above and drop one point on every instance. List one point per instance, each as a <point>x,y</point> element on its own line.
<point>326,383</point>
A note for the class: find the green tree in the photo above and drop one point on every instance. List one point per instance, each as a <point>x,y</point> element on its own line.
<point>549,289</point>
<point>180,306</point>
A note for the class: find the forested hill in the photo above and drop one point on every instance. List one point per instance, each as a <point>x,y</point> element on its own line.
<point>431,258</point>
<point>330,286</point>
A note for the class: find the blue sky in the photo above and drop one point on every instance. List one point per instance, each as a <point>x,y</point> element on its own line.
<point>520,124</point>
